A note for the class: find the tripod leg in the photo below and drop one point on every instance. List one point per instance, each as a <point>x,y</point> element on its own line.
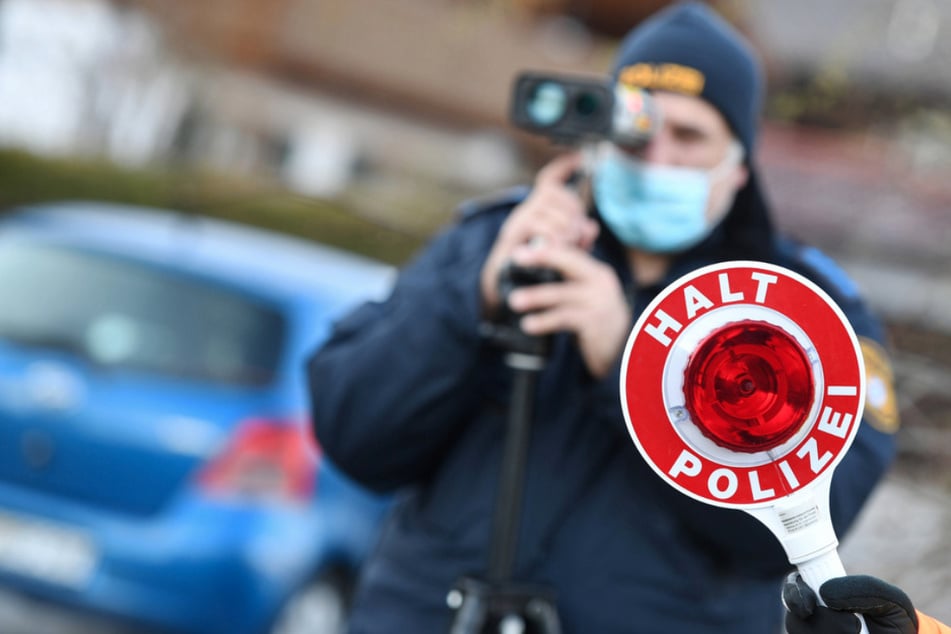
<point>505,523</point>
<point>496,605</point>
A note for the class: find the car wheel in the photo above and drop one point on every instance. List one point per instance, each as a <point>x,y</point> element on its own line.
<point>318,607</point>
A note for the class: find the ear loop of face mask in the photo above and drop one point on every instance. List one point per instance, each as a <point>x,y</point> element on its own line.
<point>732,160</point>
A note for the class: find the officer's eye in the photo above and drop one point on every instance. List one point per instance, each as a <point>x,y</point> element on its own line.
<point>688,134</point>
<point>636,152</point>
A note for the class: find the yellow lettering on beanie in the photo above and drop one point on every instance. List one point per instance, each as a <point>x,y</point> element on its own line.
<point>671,77</point>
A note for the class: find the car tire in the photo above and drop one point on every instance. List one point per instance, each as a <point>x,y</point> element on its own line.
<point>320,606</point>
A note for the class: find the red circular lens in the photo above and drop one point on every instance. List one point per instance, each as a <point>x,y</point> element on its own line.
<point>748,386</point>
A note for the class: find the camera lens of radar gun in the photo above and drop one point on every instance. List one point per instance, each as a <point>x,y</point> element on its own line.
<point>549,102</point>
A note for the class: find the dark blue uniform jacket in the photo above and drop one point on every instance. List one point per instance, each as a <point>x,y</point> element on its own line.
<point>407,397</point>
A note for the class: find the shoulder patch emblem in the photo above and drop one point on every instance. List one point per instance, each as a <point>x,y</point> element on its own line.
<point>881,404</point>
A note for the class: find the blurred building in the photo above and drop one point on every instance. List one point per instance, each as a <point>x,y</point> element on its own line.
<point>316,94</point>
<point>369,89</point>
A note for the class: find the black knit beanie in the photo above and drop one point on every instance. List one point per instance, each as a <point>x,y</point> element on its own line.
<point>687,48</point>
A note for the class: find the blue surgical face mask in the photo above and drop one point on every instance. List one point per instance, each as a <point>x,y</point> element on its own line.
<point>655,208</point>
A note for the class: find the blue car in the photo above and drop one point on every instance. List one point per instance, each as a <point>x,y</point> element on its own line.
<point>157,470</point>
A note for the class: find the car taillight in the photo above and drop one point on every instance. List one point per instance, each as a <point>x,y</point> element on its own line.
<point>265,461</point>
<point>748,386</point>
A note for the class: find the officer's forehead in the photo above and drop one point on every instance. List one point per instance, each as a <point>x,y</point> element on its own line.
<point>684,110</point>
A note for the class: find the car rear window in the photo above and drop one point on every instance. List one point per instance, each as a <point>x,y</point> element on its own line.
<point>119,314</point>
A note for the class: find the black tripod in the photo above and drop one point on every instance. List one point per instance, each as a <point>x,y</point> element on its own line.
<point>497,604</point>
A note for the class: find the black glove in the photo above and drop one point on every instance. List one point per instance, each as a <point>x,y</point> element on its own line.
<point>887,609</point>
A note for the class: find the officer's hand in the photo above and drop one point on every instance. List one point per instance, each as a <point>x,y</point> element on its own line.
<point>887,610</point>
<point>552,214</point>
<point>588,302</point>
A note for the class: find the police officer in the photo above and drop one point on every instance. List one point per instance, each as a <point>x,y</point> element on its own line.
<point>407,396</point>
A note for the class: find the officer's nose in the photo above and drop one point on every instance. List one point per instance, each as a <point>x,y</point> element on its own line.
<point>660,149</point>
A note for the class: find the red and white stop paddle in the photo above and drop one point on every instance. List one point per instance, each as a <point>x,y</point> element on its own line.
<point>743,386</point>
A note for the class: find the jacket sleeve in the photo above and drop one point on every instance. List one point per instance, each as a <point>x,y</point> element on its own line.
<point>928,625</point>
<point>392,385</point>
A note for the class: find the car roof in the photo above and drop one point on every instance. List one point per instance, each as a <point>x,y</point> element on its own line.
<point>261,261</point>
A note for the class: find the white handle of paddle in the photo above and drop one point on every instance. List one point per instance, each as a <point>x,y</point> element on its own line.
<point>822,568</point>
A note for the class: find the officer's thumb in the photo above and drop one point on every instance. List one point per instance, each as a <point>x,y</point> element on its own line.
<point>887,609</point>
<point>805,616</point>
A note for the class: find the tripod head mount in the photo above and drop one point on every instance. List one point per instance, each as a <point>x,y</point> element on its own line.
<point>504,331</point>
